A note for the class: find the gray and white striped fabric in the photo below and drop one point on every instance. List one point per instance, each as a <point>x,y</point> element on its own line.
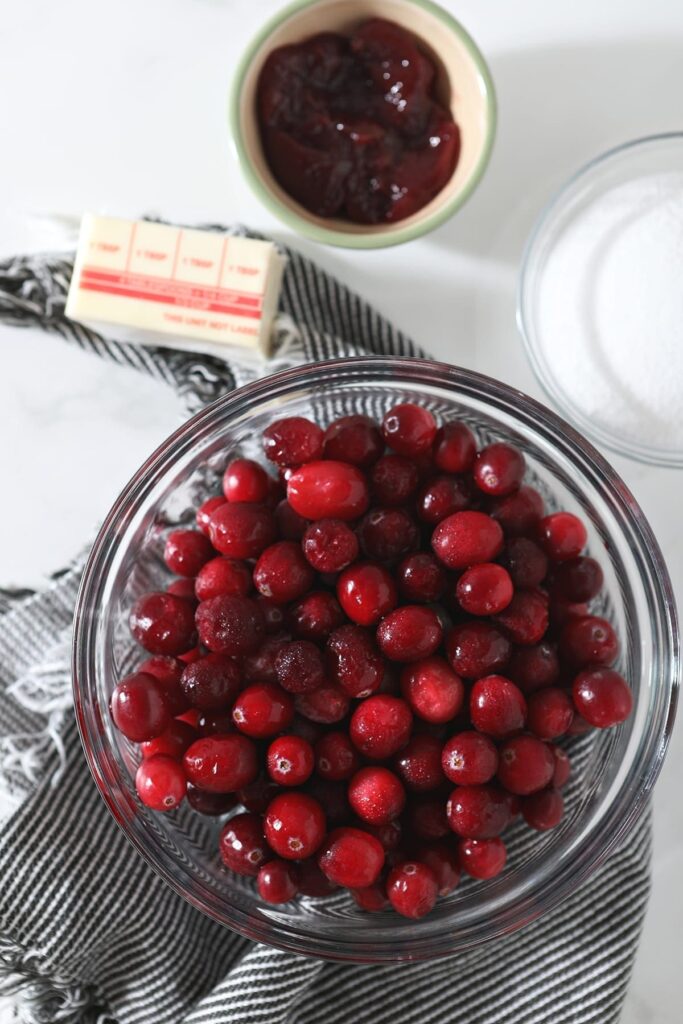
<point>88,932</point>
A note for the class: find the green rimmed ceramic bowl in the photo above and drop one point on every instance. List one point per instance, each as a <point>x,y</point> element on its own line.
<point>464,85</point>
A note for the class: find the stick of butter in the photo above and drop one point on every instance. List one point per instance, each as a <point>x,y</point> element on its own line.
<point>201,290</point>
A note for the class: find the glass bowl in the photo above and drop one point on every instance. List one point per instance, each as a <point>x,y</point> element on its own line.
<point>613,771</point>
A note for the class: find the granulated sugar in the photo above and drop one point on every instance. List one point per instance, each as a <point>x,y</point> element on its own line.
<point>610,311</point>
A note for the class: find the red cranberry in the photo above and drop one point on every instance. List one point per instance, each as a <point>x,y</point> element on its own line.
<point>577,580</point>
<point>549,713</point>
<point>420,578</point>
<point>215,723</point>
<point>163,623</point>
<point>562,536</point>
<point>533,668</point>
<point>563,767</point>
<point>294,825</point>
<point>242,530</point>
<point>466,538</point>
<point>244,480</point>
<point>454,448</point>
<point>372,898</point>
<point>186,551</point>
<point>376,795</point>
<point>409,633</point>
<point>172,743</point>
<point>184,588</point>
<point>230,624</point>
<point>366,593</point>
<point>262,710</point>
<point>469,759</point>
<point>290,760</point>
<point>282,573</point>
<point>330,545</point>
<point>167,671</point>
<point>412,889</point>
<point>273,614</point>
<point>478,812</point>
<point>354,661</point>
<point>160,783</point>
<point>441,497</point>
<point>221,764</point>
<point>222,576</point>
<point>260,667</point>
<point>299,667</point>
<point>292,441</point>
<point>206,510</point>
<point>499,469</point>
<point>409,429</point>
<point>138,708</point>
<point>519,513</point>
<point>419,763</point>
<point>354,439</point>
<point>257,795</point>
<point>482,858</point>
<point>327,704</point>
<point>543,810</point>
<point>315,616</point>
<point>427,818</point>
<point>387,534</point>
<point>602,697</point>
<point>380,726</point>
<point>485,589</point>
<point>497,706</point>
<point>476,649</point>
<point>526,765</point>
<point>277,882</point>
<point>291,525</point>
<point>212,804</point>
<point>525,562</point>
<point>336,758</point>
<point>328,490</point>
<point>589,641</point>
<point>211,682</point>
<point>312,882</point>
<point>352,858</point>
<point>434,692</point>
<point>242,846</point>
<point>442,859</point>
<point>394,480</point>
<point>525,619</point>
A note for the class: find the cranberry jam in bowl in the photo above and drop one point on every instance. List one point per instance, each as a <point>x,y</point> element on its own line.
<point>375,660</point>
<point>363,123</point>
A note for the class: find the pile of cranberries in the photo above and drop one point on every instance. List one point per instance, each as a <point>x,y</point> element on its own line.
<point>375,668</point>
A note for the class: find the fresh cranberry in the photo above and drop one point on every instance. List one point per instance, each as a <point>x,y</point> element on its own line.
<point>312,882</point>
<point>482,858</point>
<point>186,551</point>
<point>387,534</point>
<point>563,767</point>
<point>466,538</point>
<point>221,764</point>
<point>499,469</point>
<point>138,708</point>
<point>294,825</point>
<point>476,649</point>
<point>602,697</point>
<point>376,795</point>
<point>420,578</point>
<point>441,497</point>
<point>469,759</point>
<point>409,429</point>
<point>291,525</point>
<point>454,448</point>
<point>525,562</point>
<point>352,858</point>
<point>525,620</point>
<point>389,835</point>
<point>577,580</point>
<point>533,668</point>
<point>589,641</point>
<point>442,859</point>
<point>290,760</point>
<point>206,510</point>
<point>244,480</point>
<point>327,704</point>
<point>526,765</point>
<point>354,439</point>
<point>485,589</point>
<point>366,593</point>
<point>543,810</point>
<point>167,671</point>
<point>292,441</point>
<point>262,710</point>
<point>257,795</point>
<point>419,763</point>
<point>215,723</point>
<point>260,666</point>
<point>222,576</point>
<point>282,573</point>
<point>435,693</point>
<point>427,818</point>
<point>212,804</point>
<point>230,624</point>
<point>277,882</point>
<point>372,898</point>
<point>163,623</point>
<point>409,633</point>
<point>184,588</point>
<point>242,846</point>
<point>336,758</point>
<point>380,726</point>
<point>412,889</point>
<point>160,783</point>
<point>394,480</point>
<point>478,812</point>
<point>330,545</point>
<point>354,661</point>
<point>242,530</point>
<point>519,513</point>
<point>299,667</point>
<point>562,536</point>
<point>497,706</point>
<point>549,713</point>
<point>315,616</point>
<point>211,682</point>
<point>172,743</point>
<point>328,490</point>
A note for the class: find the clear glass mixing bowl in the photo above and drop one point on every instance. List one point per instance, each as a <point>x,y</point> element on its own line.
<point>613,771</point>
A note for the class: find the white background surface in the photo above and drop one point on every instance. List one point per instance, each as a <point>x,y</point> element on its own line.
<point>120,108</point>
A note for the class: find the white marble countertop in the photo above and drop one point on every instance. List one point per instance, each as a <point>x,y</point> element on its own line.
<point>122,110</point>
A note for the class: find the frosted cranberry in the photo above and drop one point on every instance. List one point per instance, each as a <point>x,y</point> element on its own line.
<point>215,723</point>
<point>183,588</point>
<point>328,704</point>
<point>443,496</point>
<point>290,524</point>
<point>230,624</point>
<point>292,441</point>
<point>589,640</point>
<point>221,764</point>
<point>290,760</point>
<point>294,825</point>
<point>299,667</point>
<point>366,593</point>
<point>211,804</point>
<point>419,763</point>
<point>222,576</point>
<point>525,620</point>
<point>330,545</point>
<point>389,835</point>
<point>206,510</point>
<point>167,671</point>
<point>409,429</point>
<point>172,743</point>
<point>282,573</point>
<point>497,706</point>
<point>138,708</point>
<point>454,448</point>
<point>352,858</point>
<point>421,578</point>
<point>245,480</point>
<point>563,767</point>
<point>257,795</point>
<point>409,633</point>
<point>394,480</point>
<point>482,858</point>
<point>478,812</point>
<point>211,682</point>
<point>432,689</point>
<point>477,648</point>
<point>519,513</point>
<point>260,666</point>
<point>277,882</point>
<point>376,795</point>
<point>273,614</point>
<point>186,551</point>
<point>328,490</point>
<point>466,538</point>
<point>387,534</point>
<point>312,882</point>
<point>380,726</point>
<point>372,898</point>
<point>525,562</point>
<point>354,661</point>
<point>242,530</point>
<point>469,759</point>
<point>412,889</point>
<point>315,616</point>
<point>427,818</point>
<point>532,668</point>
<point>549,713</point>
<point>354,439</point>
<point>336,758</point>
<point>242,846</point>
<point>499,469</point>
<point>562,536</point>
<point>526,765</point>
<point>163,623</point>
<point>602,697</point>
<point>160,783</point>
<point>262,710</point>
<point>485,589</point>
<point>577,579</point>
<point>443,861</point>
<point>543,810</point>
